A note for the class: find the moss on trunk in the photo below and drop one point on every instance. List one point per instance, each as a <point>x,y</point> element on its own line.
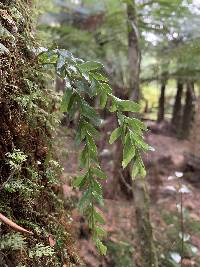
<point>28,173</point>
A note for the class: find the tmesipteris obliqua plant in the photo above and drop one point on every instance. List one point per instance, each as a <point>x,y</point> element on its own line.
<point>86,80</point>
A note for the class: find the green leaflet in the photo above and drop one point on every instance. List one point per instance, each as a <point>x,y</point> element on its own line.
<point>91,148</point>
<point>83,157</point>
<point>99,77</point>
<point>98,198</point>
<point>125,105</point>
<point>90,65</point>
<point>90,129</point>
<point>90,113</point>
<point>113,107</point>
<point>78,180</point>
<point>49,57</point>
<point>138,167</point>
<point>136,125</point>
<point>64,57</point>
<point>83,86</point>
<point>94,87</point>
<point>103,100</point>
<point>80,133</point>
<point>139,142</point>
<point>106,88</point>
<point>135,171</point>
<point>128,105</point>
<point>101,247</point>
<point>91,144</point>
<point>99,217</point>
<point>85,200</point>
<point>100,232</point>
<point>97,187</point>
<point>99,173</point>
<point>128,151</point>
<point>66,100</point>
<point>115,135</point>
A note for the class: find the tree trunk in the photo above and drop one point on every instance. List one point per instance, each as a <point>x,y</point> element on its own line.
<point>139,186</point>
<point>148,257</point>
<point>26,188</point>
<point>177,109</point>
<point>193,157</point>
<point>188,111</point>
<point>133,93</point>
<point>161,106</point>
<point>134,56</point>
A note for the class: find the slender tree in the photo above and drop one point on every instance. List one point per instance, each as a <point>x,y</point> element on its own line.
<point>194,156</point>
<point>177,108</point>
<point>188,111</point>
<point>132,93</point>
<point>134,56</point>
<point>139,188</point>
<point>161,102</point>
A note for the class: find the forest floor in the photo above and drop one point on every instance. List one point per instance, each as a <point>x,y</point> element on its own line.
<point>163,165</point>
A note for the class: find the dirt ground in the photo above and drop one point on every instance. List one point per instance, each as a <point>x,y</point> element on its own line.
<point>163,165</point>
